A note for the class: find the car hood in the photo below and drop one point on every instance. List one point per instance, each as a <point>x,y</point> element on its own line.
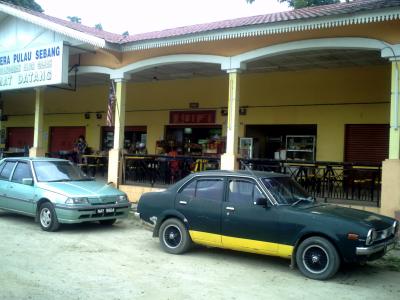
<point>369,219</point>
<point>80,188</point>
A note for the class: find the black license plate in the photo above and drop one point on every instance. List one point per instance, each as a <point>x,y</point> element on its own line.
<point>105,210</point>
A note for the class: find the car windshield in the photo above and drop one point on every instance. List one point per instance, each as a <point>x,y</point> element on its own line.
<point>286,190</point>
<point>58,171</point>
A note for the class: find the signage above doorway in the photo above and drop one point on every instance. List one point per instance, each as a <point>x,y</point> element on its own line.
<point>192,117</point>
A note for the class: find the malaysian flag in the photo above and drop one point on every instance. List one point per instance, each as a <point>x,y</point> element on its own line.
<point>111,104</point>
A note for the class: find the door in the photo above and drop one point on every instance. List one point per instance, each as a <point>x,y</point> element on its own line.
<point>366,143</point>
<point>21,195</point>
<point>245,225</point>
<point>200,201</point>
<point>6,169</point>
<point>64,138</point>
<point>19,137</point>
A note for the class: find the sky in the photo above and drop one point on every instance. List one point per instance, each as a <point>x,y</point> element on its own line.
<point>137,16</point>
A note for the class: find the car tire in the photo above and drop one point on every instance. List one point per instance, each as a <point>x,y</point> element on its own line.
<point>109,222</point>
<point>174,237</point>
<point>317,258</point>
<point>47,217</point>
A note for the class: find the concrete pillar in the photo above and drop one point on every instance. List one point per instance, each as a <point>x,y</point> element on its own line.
<point>394,142</point>
<point>229,159</point>
<point>115,154</point>
<point>390,201</point>
<point>38,148</point>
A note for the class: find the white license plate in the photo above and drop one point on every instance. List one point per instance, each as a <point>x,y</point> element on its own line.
<point>105,210</point>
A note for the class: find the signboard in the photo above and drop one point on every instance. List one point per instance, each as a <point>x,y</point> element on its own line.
<point>33,67</point>
<point>192,117</point>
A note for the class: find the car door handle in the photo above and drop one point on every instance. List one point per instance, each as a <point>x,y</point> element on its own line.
<point>183,202</point>
<point>230,208</point>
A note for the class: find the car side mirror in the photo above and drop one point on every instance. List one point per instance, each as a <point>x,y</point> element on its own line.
<point>262,202</point>
<point>27,181</point>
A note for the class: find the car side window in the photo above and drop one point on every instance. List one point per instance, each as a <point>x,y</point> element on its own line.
<point>211,189</point>
<point>21,171</point>
<point>243,191</point>
<point>189,190</point>
<point>6,172</point>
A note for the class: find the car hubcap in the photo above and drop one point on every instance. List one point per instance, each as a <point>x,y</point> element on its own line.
<point>45,217</point>
<point>172,236</point>
<point>315,259</point>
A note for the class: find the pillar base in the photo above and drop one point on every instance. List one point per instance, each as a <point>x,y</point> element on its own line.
<point>37,152</point>
<point>229,162</point>
<point>114,167</point>
<point>390,199</point>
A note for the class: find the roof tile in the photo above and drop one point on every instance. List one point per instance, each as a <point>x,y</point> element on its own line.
<point>297,14</point>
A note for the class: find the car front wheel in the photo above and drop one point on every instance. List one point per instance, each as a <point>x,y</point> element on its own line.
<point>47,217</point>
<point>174,236</point>
<point>317,258</point>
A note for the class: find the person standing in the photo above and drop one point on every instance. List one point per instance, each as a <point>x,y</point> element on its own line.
<point>80,148</point>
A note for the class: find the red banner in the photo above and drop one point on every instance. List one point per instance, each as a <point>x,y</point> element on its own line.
<point>192,117</point>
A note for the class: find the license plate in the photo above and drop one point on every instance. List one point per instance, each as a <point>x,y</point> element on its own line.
<point>105,210</point>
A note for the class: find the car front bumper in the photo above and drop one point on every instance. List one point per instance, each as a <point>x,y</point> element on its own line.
<point>79,214</point>
<point>382,247</point>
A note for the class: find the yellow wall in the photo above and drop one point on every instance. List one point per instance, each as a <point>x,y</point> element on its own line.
<point>326,97</point>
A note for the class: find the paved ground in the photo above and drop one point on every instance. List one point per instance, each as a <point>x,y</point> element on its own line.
<point>124,262</point>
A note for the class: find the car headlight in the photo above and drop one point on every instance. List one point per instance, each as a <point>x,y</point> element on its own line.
<point>371,237</point>
<point>395,227</point>
<point>122,198</point>
<point>77,200</point>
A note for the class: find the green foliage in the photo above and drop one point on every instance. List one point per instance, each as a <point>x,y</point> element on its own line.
<point>98,26</point>
<point>307,3</point>
<point>304,3</point>
<point>31,4</point>
<point>74,19</point>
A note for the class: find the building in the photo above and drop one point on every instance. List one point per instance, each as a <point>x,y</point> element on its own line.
<point>330,73</point>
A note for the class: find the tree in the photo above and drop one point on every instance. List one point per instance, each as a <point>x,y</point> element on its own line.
<point>305,3</point>
<point>74,19</point>
<point>98,26</point>
<point>31,4</point>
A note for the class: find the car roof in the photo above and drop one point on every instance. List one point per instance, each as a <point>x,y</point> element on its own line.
<point>34,158</point>
<point>255,174</point>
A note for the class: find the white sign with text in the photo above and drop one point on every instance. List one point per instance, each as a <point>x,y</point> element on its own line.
<point>33,67</point>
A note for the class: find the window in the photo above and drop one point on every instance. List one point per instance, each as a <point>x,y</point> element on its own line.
<point>243,191</point>
<point>189,189</point>
<point>6,172</point>
<point>285,190</point>
<point>21,171</point>
<point>210,189</point>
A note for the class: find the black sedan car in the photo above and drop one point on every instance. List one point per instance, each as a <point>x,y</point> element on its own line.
<point>265,213</point>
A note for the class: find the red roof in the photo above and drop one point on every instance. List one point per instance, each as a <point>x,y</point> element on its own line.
<point>296,14</point>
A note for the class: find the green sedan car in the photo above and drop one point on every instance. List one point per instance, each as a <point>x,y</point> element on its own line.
<point>55,191</point>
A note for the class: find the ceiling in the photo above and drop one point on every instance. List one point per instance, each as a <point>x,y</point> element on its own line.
<point>316,59</point>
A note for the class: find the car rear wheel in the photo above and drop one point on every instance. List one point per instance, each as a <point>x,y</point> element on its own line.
<point>317,258</point>
<point>48,218</point>
<point>107,222</point>
<point>174,236</point>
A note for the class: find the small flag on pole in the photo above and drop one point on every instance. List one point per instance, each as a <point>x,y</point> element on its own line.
<point>111,105</point>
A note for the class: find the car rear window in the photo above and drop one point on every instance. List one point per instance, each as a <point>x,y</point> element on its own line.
<point>210,189</point>
<point>6,172</point>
